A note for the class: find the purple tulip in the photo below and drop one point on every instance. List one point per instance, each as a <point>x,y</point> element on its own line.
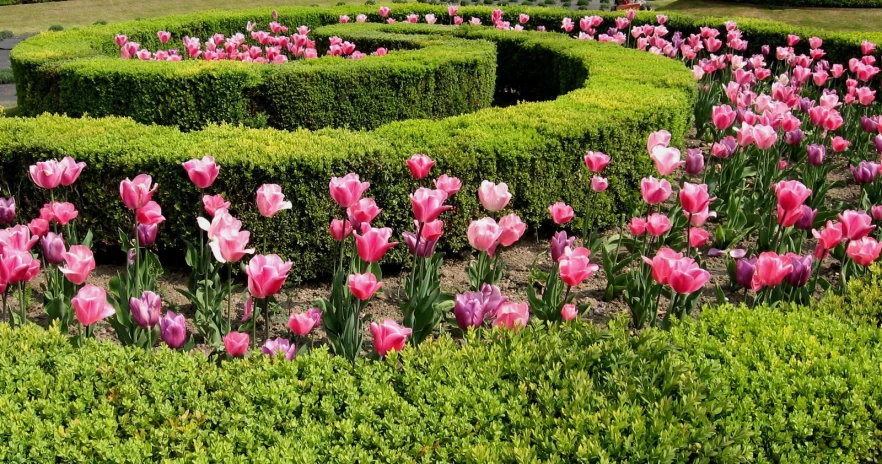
<point>877,140</point>
<point>764,50</point>
<point>147,234</point>
<point>173,329</point>
<point>807,221</point>
<point>744,270</point>
<point>53,248</point>
<point>816,154</point>
<point>865,172</point>
<point>715,253</point>
<point>130,257</point>
<point>794,137</point>
<point>146,310</point>
<point>802,269</point>
<point>805,104</point>
<point>426,247</point>
<point>7,210</point>
<point>694,161</point>
<point>868,125</point>
<point>279,347</point>
<point>558,243</point>
<point>470,309</point>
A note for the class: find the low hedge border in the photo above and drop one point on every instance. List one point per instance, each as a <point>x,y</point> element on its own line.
<point>622,95</point>
<point>815,3</point>
<point>759,385</point>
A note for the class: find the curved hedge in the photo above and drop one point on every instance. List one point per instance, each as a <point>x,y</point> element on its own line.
<point>815,3</point>
<point>620,96</point>
<point>76,73</point>
<point>738,385</point>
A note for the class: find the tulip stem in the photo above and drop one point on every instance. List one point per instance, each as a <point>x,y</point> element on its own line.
<point>5,305</point>
<point>266,318</point>
<point>137,259</point>
<point>230,295</point>
<point>22,304</point>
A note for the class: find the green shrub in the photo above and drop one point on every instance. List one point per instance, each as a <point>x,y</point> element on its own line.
<point>56,28</point>
<point>805,383</point>
<point>100,22</point>
<point>5,34</point>
<point>566,394</point>
<point>815,3</point>
<point>6,76</point>
<point>862,301</point>
<point>610,99</point>
<point>437,80</point>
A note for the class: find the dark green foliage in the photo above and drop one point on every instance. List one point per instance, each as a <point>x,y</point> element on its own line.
<point>5,34</point>
<point>56,28</point>
<point>615,98</point>
<point>6,76</point>
<point>814,3</point>
<point>20,2</point>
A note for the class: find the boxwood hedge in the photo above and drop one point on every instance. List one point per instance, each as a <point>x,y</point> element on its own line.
<point>737,385</point>
<point>614,98</point>
<point>815,3</point>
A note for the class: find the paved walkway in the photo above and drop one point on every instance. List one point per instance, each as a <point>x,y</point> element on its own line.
<point>7,91</point>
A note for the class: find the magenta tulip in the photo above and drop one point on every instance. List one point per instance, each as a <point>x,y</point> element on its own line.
<point>17,266</point>
<point>694,197</point>
<point>7,210</point>
<point>202,172</point>
<point>146,310</point>
<point>340,229</point>
<point>447,184</point>
<point>428,204</point>
<point>173,329</point>
<point>856,224</point>
<point>303,323</point>
<point>472,308</point>
<point>150,214</point>
<point>864,251</point>
<point>514,316</point>
<point>72,171</point>
<point>389,336</point>
<point>347,190</point>
<point>561,213</point>
<point>771,269</point>
<point>266,275</point>
<point>654,190</point>
<point>420,165</point>
<point>575,266</point>
<point>595,161</point>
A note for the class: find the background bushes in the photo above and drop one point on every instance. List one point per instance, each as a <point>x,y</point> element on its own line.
<point>620,96</point>
<point>737,385</point>
<point>815,3</point>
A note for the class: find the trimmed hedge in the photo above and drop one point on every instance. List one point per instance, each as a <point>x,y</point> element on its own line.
<point>737,385</point>
<point>21,2</point>
<point>815,3</point>
<point>620,97</point>
<point>438,79</point>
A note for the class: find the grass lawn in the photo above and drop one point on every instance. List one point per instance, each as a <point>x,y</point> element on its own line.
<point>836,19</point>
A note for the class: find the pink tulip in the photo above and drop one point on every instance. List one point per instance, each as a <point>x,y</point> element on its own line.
<point>791,194</point>
<point>659,138</point>
<point>72,171</point>
<point>514,316</point>
<point>667,159</point>
<point>389,336</point>
<point>363,286</point>
<point>599,184</point>
<point>856,224</point>
<point>698,237</point>
<point>428,204</point>
<point>876,212</point>
<point>561,213</point>
<point>222,220</point>
<point>864,251</point>
<point>764,136</point>
<point>420,165</point>
<point>280,346</point>
<point>17,238</point>
<point>236,343</point>
<point>136,193</point>
<point>163,36</point>
<point>363,211</point>
<point>447,184</point>
<point>39,227</point>
<point>657,224</point>
<point>512,229</point>
<point>596,161</point>
<point>146,310</point>
<point>483,235</point>
<point>266,275</point>
<point>654,190</point>
<point>17,266</point>
<point>494,197</point>
<point>150,214</point>
<point>271,200</point>
<point>839,144</point>
<point>229,245</point>
<point>212,203</point>
<point>374,243</point>
<point>347,190</point>
<point>637,226</point>
<point>575,266</point>
<point>694,197</point>
<point>91,306</point>
<point>120,40</point>
<point>771,269</point>
<point>569,312</point>
<point>248,308</point>
<point>340,229</point>
<point>384,11</point>
<point>79,262</point>
<point>62,213</point>
<point>303,323</point>
<point>47,174</point>
<point>686,276</point>
<point>723,116</point>
<point>662,264</point>
<point>202,172</point>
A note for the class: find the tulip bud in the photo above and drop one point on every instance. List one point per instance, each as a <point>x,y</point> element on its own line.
<point>782,164</point>
<point>559,242</point>
<point>7,210</point>
<point>694,161</point>
<point>569,312</point>
<point>876,211</point>
<point>816,154</point>
<point>599,184</point>
<point>147,234</point>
